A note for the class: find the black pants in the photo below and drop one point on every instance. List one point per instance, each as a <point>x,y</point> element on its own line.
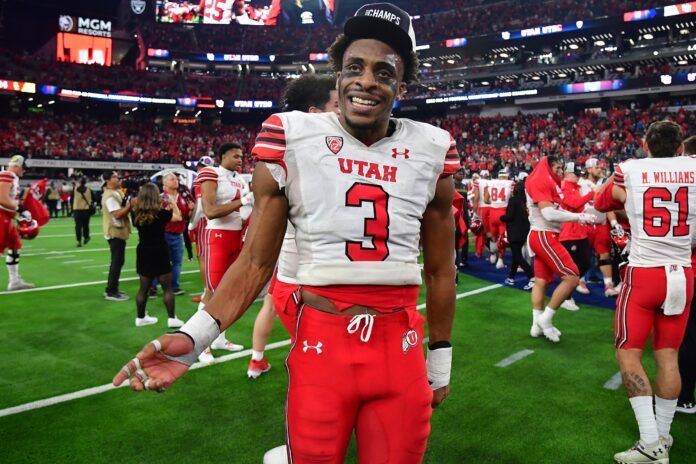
<point>687,359</point>
<point>52,208</point>
<point>463,253</point>
<point>519,261</point>
<point>581,252</point>
<point>81,224</point>
<point>118,257</point>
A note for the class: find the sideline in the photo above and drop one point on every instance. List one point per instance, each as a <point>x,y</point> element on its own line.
<point>108,387</point>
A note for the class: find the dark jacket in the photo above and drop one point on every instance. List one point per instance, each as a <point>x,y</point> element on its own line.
<point>517,220</point>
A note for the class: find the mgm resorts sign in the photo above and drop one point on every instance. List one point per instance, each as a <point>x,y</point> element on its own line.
<point>84,26</point>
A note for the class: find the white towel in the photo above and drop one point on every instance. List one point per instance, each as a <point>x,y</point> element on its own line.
<point>675,300</point>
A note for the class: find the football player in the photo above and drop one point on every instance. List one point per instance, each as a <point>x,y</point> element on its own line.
<point>496,194</point>
<point>659,283</point>
<point>311,94</point>
<point>9,236</point>
<point>362,190</point>
<point>598,234</point>
<point>198,222</point>
<point>543,187</point>
<point>483,210</point>
<point>223,193</point>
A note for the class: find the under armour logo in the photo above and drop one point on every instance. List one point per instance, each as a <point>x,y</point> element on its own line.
<point>396,153</point>
<point>218,235</point>
<point>318,346</point>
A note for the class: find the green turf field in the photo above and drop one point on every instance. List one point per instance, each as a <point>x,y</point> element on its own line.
<point>549,407</point>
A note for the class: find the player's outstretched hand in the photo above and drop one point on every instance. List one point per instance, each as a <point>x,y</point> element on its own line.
<point>151,369</point>
<point>439,395</point>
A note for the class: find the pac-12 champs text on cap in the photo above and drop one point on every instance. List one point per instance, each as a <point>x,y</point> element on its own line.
<point>384,22</point>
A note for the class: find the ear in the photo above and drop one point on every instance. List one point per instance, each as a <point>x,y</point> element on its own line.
<point>680,150</point>
<point>645,147</point>
<point>401,91</point>
<point>314,109</point>
<point>338,76</point>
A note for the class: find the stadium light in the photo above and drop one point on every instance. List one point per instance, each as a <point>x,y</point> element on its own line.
<point>485,83</point>
<point>620,69</point>
<point>684,31</point>
<point>656,53</point>
<point>536,78</point>
<point>648,36</point>
<point>600,43</point>
<point>682,62</point>
<point>589,72</point>
<point>51,102</point>
<point>504,55</point>
<point>450,61</point>
<point>562,75</point>
<point>573,46</point>
<point>427,65</point>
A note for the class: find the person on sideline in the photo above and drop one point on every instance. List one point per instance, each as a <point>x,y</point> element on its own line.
<point>517,220</point>
<point>117,229</point>
<point>82,211</point>
<point>151,216</point>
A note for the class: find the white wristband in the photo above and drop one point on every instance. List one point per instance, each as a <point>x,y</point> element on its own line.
<point>203,329</point>
<point>439,367</point>
<point>248,199</point>
<point>614,223</point>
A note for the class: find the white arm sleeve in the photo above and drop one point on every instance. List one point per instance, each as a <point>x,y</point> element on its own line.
<point>558,215</point>
<point>197,215</point>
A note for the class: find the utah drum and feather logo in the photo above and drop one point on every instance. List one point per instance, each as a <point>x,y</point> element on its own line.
<point>334,143</point>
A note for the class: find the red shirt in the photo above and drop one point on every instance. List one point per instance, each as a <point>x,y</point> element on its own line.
<point>575,203</point>
<point>178,227</point>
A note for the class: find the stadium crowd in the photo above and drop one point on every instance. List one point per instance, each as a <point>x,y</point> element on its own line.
<point>484,142</point>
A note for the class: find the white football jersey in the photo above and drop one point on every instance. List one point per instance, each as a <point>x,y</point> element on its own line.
<point>11,178</point>
<point>357,210</point>
<point>230,186</point>
<point>587,186</point>
<point>499,191</point>
<point>480,186</point>
<point>217,11</point>
<point>660,199</point>
<point>288,260</point>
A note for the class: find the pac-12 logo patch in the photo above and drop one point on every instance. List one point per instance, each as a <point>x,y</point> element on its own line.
<point>410,339</point>
<point>334,143</point>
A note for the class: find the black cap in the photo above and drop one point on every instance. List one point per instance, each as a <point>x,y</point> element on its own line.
<point>106,175</point>
<point>384,22</point>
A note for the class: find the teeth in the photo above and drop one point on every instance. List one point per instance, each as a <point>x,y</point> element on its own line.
<point>362,101</point>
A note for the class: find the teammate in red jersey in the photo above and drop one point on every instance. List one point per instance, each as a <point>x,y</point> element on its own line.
<point>543,188</point>
<point>357,363</point>
<point>9,236</point>
<point>198,222</point>
<point>659,282</point>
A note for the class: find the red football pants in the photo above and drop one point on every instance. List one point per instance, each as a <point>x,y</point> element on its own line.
<point>285,298</point>
<point>221,251</point>
<point>339,383</point>
<point>550,257</point>
<point>497,227</point>
<point>638,310</point>
<point>9,237</point>
<point>600,238</point>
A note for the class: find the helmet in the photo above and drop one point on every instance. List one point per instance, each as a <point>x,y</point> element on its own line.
<point>28,228</point>
<point>620,237</point>
<point>475,224</point>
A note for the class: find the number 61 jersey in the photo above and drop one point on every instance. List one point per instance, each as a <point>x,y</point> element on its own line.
<point>661,208</point>
<point>357,210</point>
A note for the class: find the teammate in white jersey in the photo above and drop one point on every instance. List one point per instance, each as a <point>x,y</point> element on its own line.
<point>362,190</point>
<point>598,234</point>
<point>223,193</point>
<point>483,210</point>
<point>310,93</point>
<point>9,236</point>
<point>496,195</point>
<point>657,193</point>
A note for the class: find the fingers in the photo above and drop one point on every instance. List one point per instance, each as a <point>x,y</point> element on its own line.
<point>439,395</point>
<point>126,371</point>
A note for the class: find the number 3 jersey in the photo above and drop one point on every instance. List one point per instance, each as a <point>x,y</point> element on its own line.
<point>357,210</point>
<point>661,208</point>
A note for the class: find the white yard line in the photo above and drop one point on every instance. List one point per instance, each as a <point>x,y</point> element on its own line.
<point>79,284</point>
<point>241,354</point>
<point>614,382</point>
<point>59,256</point>
<point>514,358</point>
<point>55,236</point>
<point>84,250</point>
<point>96,266</point>
<point>78,261</point>
<point>122,270</point>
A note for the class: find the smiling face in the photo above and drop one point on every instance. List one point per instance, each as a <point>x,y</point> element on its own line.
<point>557,169</point>
<point>371,78</point>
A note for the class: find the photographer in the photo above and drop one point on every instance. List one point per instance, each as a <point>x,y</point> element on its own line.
<point>117,229</point>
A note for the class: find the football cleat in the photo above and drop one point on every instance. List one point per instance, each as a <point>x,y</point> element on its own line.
<point>278,455</point>
<point>668,441</point>
<point>529,285</point>
<point>147,320</point>
<point>226,345</point>
<point>510,282</point>
<point>640,454</point>
<point>582,287</point>
<point>570,305</point>
<point>610,291</point>
<point>256,368</point>
<point>493,258</point>
<point>19,285</point>
<point>206,357</point>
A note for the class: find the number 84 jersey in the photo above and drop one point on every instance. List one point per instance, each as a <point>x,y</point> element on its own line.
<point>357,210</point>
<point>661,209</point>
